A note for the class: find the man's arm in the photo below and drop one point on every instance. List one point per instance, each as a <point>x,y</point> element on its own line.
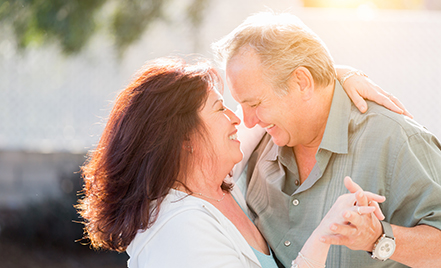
<point>418,246</point>
<point>415,202</point>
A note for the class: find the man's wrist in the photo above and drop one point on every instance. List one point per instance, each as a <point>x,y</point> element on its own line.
<point>384,247</point>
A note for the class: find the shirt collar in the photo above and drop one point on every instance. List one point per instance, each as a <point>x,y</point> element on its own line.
<point>335,138</point>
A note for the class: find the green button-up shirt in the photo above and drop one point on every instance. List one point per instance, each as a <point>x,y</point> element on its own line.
<point>384,152</point>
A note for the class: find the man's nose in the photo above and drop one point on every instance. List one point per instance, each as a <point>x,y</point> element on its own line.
<point>249,117</point>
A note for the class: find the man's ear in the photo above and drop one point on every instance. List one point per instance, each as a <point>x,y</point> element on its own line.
<point>304,80</point>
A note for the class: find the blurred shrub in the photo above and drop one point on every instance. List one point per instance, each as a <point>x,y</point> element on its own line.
<point>73,23</point>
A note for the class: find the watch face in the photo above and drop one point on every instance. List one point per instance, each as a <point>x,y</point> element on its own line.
<point>385,248</point>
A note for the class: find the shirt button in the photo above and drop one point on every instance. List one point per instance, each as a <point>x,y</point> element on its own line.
<point>295,202</point>
<point>287,243</point>
<point>297,182</point>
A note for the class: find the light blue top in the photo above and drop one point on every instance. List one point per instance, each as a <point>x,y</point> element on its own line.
<point>267,261</point>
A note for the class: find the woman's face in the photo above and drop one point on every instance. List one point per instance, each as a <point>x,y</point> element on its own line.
<point>221,124</point>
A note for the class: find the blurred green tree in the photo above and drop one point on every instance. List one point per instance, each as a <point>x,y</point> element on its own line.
<point>73,22</point>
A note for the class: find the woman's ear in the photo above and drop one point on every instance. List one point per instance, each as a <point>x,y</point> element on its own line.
<point>186,145</point>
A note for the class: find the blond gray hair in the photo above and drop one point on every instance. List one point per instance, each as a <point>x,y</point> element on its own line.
<point>283,43</point>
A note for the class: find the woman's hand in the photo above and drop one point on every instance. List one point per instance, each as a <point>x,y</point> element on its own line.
<point>343,224</point>
<point>351,220</point>
<point>364,201</point>
<point>360,88</point>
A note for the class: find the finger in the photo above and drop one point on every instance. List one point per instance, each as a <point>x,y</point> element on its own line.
<point>375,197</point>
<point>399,104</point>
<point>387,102</point>
<point>343,229</point>
<point>366,210</point>
<point>378,213</point>
<point>354,214</point>
<point>381,95</point>
<point>334,239</point>
<point>351,185</point>
<point>361,198</point>
<point>358,101</point>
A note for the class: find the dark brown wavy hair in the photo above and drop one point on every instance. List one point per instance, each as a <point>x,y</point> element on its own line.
<point>141,152</point>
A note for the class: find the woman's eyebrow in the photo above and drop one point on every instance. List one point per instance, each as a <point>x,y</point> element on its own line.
<point>218,100</point>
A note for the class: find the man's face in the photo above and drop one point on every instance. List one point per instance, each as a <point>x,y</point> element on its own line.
<point>279,115</point>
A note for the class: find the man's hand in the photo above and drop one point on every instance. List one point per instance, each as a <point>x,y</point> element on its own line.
<point>359,231</point>
<point>353,188</point>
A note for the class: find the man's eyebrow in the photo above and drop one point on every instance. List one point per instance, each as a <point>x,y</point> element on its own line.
<point>246,101</point>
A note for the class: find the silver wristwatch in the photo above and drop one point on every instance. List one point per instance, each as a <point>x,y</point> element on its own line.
<point>385,245</point>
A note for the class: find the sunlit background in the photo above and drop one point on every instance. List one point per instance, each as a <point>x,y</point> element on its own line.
<point>57,82</point>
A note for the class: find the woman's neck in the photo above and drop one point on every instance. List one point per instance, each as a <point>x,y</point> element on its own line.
<point>200,181</point>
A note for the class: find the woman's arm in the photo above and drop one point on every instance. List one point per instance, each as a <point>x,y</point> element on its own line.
<point>359,87</point>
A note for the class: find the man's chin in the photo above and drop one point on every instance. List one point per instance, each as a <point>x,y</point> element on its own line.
<point>278,142</point>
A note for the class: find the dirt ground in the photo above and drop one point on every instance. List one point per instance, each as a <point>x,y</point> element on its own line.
<point>16,256</point>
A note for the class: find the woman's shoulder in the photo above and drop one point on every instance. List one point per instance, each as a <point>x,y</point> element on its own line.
<point>178,211</point>
<point>184,227</point>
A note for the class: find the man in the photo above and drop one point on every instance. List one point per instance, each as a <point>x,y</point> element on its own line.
<point>283,77</point>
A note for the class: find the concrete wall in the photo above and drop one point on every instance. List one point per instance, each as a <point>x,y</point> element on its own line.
<point>31,177</point>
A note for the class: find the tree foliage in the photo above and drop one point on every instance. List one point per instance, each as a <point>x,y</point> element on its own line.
<point>73,22</point>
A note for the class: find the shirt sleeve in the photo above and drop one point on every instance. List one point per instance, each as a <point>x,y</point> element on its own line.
<point>415,189</point>
<point>190,239</point>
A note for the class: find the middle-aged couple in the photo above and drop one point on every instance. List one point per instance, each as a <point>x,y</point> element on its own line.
<point>157,184</point>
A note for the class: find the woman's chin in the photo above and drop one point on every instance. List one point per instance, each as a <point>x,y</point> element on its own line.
<point>240,158</point>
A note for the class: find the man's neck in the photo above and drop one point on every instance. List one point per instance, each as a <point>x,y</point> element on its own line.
<point>305,159</point>
<point>305,153</point>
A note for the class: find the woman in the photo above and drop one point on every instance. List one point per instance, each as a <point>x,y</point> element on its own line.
<point>155,185</point>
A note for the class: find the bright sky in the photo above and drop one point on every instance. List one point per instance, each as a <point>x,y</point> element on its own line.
<point>387,4</point>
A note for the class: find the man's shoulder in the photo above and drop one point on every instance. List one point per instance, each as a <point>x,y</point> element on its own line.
<point>381,120</point>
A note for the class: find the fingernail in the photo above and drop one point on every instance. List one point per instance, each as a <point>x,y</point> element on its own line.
<point>322,239</point>
<point>333,227</point>
<point>347,214</point>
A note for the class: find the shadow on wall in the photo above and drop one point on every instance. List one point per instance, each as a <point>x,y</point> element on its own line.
<point>47,233</point>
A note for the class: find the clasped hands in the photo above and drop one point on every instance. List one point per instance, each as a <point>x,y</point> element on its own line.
<point>354,219</point>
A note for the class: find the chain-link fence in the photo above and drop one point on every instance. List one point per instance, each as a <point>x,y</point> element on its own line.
<point>49,102</point>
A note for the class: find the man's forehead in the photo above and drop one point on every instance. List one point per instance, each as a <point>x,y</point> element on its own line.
<point>245,56</point>
<point>244,95</point>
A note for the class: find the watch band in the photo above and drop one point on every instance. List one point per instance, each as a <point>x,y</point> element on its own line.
<point>387,229</point>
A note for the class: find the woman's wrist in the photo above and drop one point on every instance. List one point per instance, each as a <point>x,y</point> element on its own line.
<point>341,70</point>
<point>350,74</point>
<point>303,261</point>
<point>314,251</point>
